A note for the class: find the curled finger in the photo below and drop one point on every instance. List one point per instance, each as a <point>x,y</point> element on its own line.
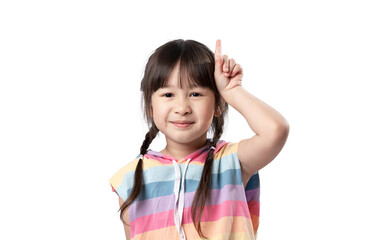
<point>236,81</point>
<point>231,65</point>
<point>225,64</point>
<point>236,70</point>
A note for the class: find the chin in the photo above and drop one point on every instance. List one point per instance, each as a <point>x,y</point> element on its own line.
<point>186,139</point>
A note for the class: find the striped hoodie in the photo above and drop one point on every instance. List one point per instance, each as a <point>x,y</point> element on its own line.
<point>163,208</point>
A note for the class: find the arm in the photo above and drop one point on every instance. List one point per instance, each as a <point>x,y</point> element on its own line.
<point>126,220</point>
<point>270,127</point>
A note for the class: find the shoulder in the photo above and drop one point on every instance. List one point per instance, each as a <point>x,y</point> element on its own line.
<point>122,180</point>
<point>224,149</point>
<point>226,157</point>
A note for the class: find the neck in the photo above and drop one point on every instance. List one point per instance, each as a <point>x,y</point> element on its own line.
<point>181,150</point>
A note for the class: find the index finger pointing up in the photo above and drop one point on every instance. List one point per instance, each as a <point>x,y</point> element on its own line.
<point>218,51</point>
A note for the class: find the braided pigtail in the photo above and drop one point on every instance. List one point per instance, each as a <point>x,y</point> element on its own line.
<point>202,191</point>
<point>138,179</point>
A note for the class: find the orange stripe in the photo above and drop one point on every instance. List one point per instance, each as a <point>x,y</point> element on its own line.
<point>255,222</point>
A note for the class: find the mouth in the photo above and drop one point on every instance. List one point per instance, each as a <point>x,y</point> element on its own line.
<point>182,124</point>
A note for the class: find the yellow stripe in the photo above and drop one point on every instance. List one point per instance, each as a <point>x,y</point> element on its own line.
<point>226,150</point>
<point>231,236</point>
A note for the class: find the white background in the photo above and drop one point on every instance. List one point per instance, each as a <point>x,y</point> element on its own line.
<point>71,117</point>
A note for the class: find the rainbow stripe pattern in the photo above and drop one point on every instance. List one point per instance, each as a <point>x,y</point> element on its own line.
<point>163,209</point>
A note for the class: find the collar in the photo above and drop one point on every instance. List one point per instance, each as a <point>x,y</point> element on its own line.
<point>194,156</point>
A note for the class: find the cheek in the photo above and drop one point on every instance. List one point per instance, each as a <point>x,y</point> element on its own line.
<point>209,112</point>
<point>158,111</point>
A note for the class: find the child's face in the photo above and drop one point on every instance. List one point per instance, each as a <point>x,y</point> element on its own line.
<point>183,115</point>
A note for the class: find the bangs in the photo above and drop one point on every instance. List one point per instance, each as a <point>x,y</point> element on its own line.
<point>196,66</point>
<point>196,71</point>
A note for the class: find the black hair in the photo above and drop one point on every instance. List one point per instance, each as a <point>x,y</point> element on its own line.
<point>197,66</point>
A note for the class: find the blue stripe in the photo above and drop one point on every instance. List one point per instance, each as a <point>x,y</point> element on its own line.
<point>164,188</point>
<point>253,183</point>
<point>166,173</point>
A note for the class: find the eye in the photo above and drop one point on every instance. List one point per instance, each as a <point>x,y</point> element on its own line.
<point>195,94</point>
<point>167,95</point>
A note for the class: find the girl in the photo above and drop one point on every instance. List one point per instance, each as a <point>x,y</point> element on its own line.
<point>197,187</point>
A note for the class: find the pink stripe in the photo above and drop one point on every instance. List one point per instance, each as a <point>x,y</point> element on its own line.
<point>210,213</point>
<point>152,222</point>
<point>159,158</point>
<point>197,156</point>
<point>201,158</point>
<point>215,212</point>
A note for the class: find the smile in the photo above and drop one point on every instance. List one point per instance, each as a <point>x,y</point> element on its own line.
<point>182,124</point>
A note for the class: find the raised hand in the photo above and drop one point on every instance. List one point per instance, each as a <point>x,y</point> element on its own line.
<point>228,74</point>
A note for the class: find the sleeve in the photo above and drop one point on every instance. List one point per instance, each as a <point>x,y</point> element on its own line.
<point>254,181</point>
<point>122,181</point>
<point>228,153</point>
<point>252,193</point>
<point>253,186</point>
<point>227,167</point>
<point>224,149</point>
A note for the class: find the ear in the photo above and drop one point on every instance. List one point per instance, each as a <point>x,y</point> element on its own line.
<point>219,109</point>
<point>217,112</point>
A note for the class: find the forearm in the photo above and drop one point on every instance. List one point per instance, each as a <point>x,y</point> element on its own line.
<point>270,127</point>
<point>262,119</point>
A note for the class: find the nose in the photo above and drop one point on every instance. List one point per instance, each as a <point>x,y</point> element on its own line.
<point>183,106</point>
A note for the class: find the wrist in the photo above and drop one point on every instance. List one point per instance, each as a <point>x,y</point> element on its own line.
<point>230,94</point>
